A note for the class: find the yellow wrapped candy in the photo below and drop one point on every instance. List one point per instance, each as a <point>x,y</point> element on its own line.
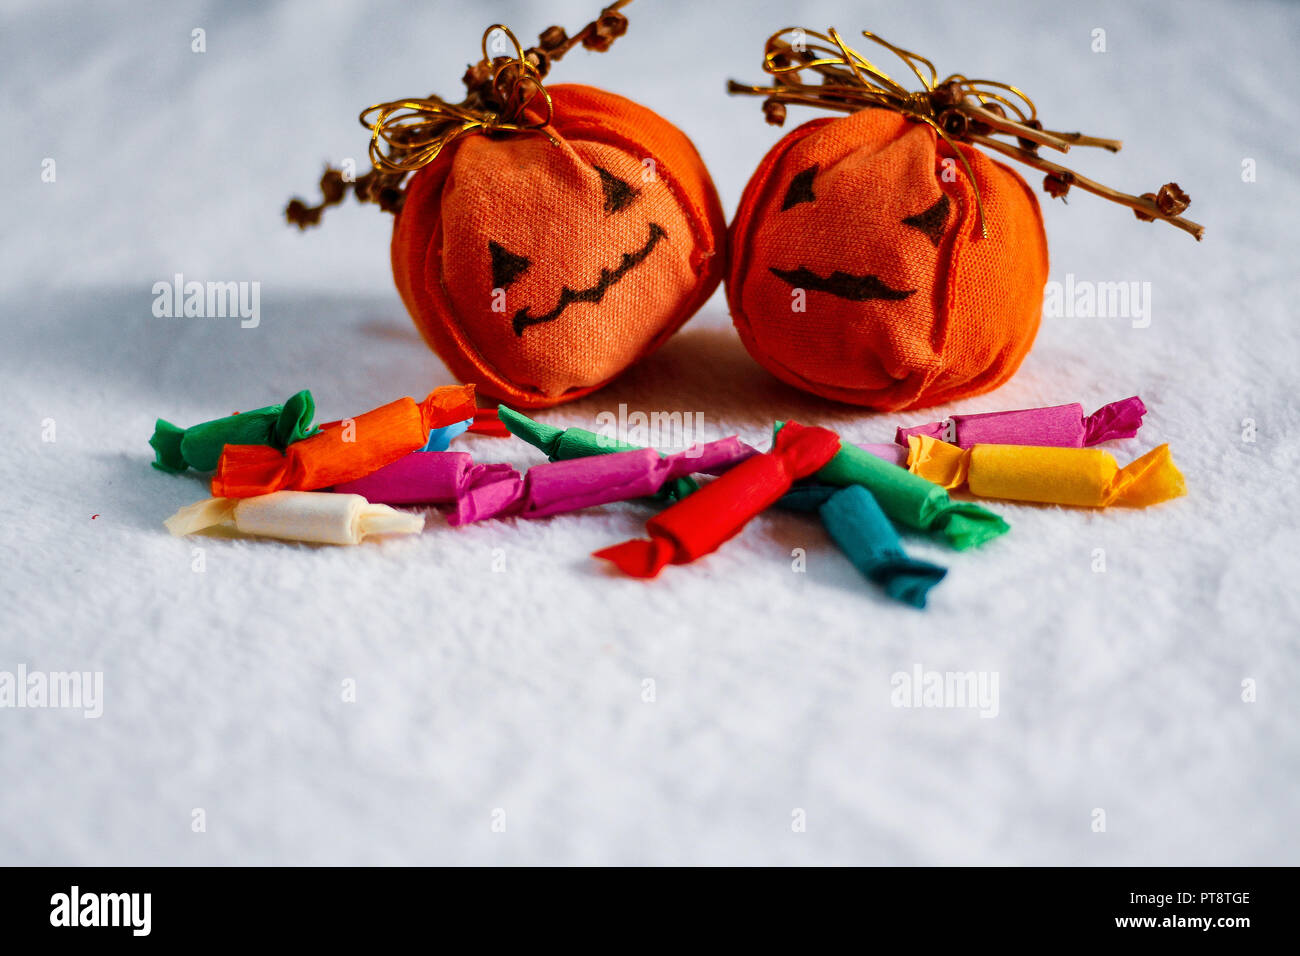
<point>1083,477</point>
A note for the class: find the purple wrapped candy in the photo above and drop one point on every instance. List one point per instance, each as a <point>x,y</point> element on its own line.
<point>571,484</point>
<point>1058,426</point>
<point>427,477</point>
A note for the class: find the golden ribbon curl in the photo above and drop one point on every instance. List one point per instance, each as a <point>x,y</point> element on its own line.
<point>406,135</point>
<point>957,108</point>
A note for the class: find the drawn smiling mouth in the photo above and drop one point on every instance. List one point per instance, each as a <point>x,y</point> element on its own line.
<point>593,293</point>
<point>842,284</point>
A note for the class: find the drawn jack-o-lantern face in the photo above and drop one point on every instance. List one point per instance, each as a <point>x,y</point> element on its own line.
<point>856,270</point>
<point>541,270</point>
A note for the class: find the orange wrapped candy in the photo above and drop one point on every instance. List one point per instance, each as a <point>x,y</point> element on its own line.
<point>570,237</point>
<point>343,450</point>
<point>883,259</point>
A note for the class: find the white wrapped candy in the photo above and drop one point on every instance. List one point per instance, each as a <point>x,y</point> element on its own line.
<point>314,516</point>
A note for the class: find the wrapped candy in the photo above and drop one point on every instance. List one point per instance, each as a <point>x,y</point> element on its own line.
<point>342,451</point>
<point>199,446</point>
<point>440,438</point>
<point>561,444</point>
<point>700,523</point>
<point>564,444</point>
<point>910,499</point>
<point>1063,426</point>
<point>427,478</point>
<point>853,519</point>
<point>547,237</point>
<point>884,258</point>
<point>562,486</point>
<point>313,517</point>
<point>1084,477</point>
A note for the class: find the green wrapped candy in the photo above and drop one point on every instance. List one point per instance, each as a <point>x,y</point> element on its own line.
<point>199,447</point>
<point>910,499</point>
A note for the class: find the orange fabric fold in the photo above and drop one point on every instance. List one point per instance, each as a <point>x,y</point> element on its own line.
<point>342,451</point>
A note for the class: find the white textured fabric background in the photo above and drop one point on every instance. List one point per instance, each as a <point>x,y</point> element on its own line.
<point>522,690</point>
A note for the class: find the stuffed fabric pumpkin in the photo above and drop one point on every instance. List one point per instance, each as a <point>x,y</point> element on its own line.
<point>903,304</point>
<point>545,239</point>
<point>542,270</point>
<point>883,259</point>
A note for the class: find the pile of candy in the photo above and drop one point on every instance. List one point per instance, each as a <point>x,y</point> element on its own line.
<point>277,476</point>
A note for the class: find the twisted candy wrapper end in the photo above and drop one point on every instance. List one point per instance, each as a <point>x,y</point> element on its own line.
<point>1151,479</point>
<point>933,429</point>
<point>856,523</point>
<point>166,442</point>
<point>447,405</point>
<point>545,438</point>
<point>294,423</point>
<point>944,464</point>
<point>381,519</point>
<point>1120,419</point>
<point>201,515</point>
<point>909,580</point>
<point>639,558</point>
<point>964,524</point>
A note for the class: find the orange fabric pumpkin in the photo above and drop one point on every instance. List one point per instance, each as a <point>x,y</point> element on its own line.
<point>860,222</point>
<point>540,270</point>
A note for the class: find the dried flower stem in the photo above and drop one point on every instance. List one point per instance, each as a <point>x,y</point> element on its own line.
<point>958,109</point>
<point>1140,204</point>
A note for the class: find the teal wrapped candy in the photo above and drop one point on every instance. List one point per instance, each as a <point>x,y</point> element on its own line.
<point>857,525</point>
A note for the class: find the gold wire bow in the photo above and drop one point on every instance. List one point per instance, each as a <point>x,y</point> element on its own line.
<point>956,108</point>
<point>408,134</point>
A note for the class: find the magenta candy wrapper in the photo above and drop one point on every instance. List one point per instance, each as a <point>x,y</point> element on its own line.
<point>1058,426</point>
<point>427,477</point>
<point>1120,419</point>
<point>576,483</point>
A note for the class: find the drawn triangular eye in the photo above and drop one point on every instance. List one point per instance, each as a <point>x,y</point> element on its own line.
<point>800,189</point>
<point>618,194</point>
<point>506,266</point>
<point>932,221</point>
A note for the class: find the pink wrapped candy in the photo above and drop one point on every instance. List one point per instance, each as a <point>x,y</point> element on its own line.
<point>571,484</point>
<point>1058,426</point>
<point>427,477</point>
